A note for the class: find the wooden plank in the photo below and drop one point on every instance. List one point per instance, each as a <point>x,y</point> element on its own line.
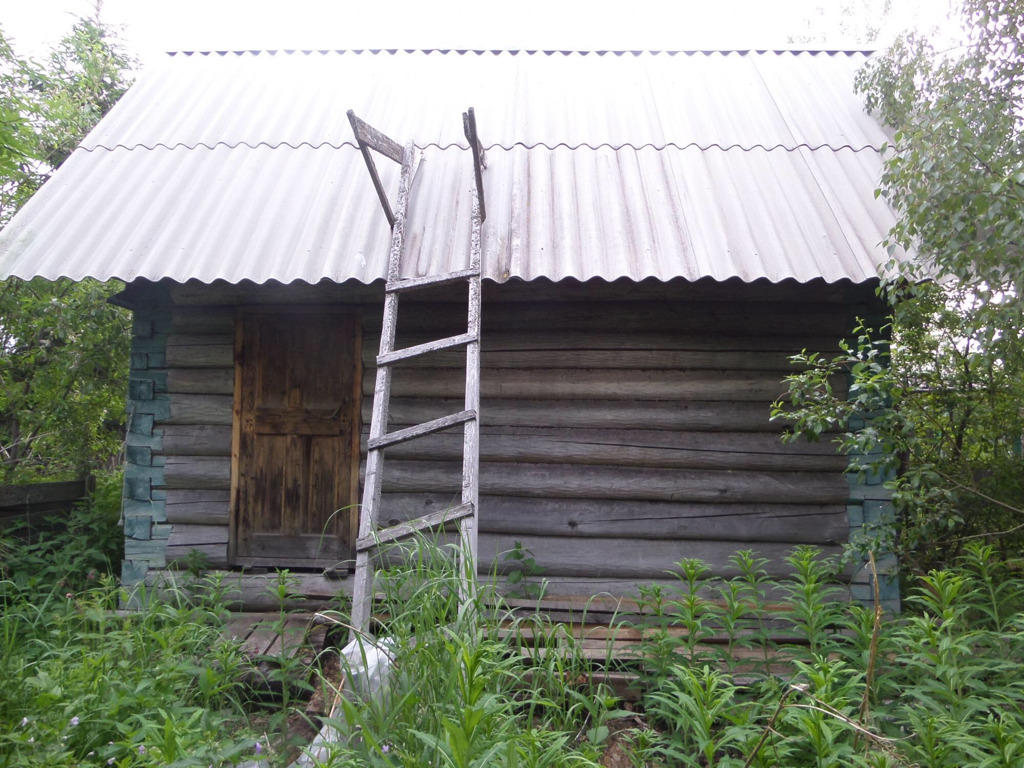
<point>36,515</point>
<point>643,448</point>
<point>21,495</point>
<point>309,421</point>
<point>197,507</point>
<point>408,528</point>
<point>599,383</point>
<point>293,549</point>
<point>195,440</point>
<point>239,625</point>
<point>201,381</point>
<point>371,137</point>
<point>198,472</point>
<point>290,637</point>
<point>603,518</point>
<point>420,430</point>
<point>426,348</point>
<point>259,640</point>
<point>574,481</point>
<point>212,410</point>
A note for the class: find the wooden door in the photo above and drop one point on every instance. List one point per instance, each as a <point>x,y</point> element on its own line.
<point>298,379</point>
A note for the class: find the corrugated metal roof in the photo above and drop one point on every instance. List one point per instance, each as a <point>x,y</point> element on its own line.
<point>705,99</point>
<point>242,166</point>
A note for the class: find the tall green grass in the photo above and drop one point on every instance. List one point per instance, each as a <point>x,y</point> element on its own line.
<point>85,686</point>
<point>737,673</point>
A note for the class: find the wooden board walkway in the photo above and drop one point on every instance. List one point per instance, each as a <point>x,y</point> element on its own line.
<point>270,642</point>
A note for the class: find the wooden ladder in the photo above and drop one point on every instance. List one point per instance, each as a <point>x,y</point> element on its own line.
<point>465,513</point>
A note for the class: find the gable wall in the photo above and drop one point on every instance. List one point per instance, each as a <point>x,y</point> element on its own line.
<point>622,428</point>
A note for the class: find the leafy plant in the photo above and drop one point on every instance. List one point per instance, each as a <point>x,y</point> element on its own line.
<point>521,567</point>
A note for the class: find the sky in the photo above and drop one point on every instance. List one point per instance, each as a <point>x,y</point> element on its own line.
<point>150,27</point>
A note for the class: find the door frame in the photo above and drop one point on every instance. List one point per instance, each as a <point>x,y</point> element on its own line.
<point>356,315</point>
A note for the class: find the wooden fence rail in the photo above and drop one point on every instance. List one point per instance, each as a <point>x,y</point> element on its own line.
<point>33,503</point>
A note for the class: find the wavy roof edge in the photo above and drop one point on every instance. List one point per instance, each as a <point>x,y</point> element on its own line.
<point>514,280</point>
<point>529,51</point>
<point>496,146</point>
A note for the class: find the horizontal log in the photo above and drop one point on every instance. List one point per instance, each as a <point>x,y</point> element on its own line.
<point>603,518</point>
<point>195,440</point>
<point>640,448</point>
<point>693,416</point>
<point>615,598</point>
<point>197,535</point>
<point>747,318</point>
<point>615,558</point>
<point>201,381</point>
<point>592,383</point>
<point>196,293</point>
<point>198,472</point>
<point>652,349</point>
<point>574,481</point>
<point>198,507</point>
<point>200,350</point>
<point>612,358</point>
<point>213,555</point>
<point>203,320</point>
<point>209,410</point>
<point>254,591</point>
<point>650,289</point>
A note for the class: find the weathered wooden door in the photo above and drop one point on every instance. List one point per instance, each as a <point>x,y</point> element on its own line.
<point>297,439</point>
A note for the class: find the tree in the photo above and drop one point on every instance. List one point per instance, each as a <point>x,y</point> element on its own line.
<point>63,349</point>
<point>942,389</point>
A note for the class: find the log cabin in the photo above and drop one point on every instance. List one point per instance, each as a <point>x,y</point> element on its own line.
<point>664,230</point>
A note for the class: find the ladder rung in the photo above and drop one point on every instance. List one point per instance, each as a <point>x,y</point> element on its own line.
<point>413,283</point>
<point>422,349</point>
<point>400,531</point>
<point>419,430</point>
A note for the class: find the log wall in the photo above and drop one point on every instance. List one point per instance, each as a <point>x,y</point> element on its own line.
<point>621,430</point>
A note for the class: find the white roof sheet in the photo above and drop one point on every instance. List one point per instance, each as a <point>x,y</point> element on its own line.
<point>242,166</point>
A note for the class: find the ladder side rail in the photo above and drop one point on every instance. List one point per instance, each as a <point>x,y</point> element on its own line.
<point>471,435</point>
<point>362,589</point>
